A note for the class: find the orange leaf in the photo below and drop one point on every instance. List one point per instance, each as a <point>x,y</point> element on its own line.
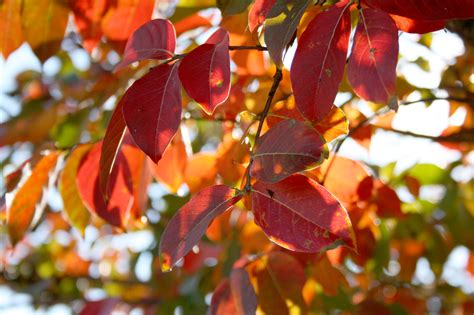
<point>11,36</point>
<point>200,171</point>
<point>22,210</point>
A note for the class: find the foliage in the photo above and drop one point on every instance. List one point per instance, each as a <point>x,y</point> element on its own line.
<point>228,160</point>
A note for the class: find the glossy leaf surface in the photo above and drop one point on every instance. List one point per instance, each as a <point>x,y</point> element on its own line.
<point>287,148</point>
<point>319,61</point>
<point>152,109</point>
<point>373,60</point>
<point>205,72</point>
<point>155,39</point>
<point>189,224</point>
<point>301,215</point>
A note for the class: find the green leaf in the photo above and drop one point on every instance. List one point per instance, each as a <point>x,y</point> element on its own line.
<point>428,174</point>
<point>232,7</point>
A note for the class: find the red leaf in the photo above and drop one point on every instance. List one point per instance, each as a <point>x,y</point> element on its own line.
<point>88,15</point>
<point>205,71</point>
<point>111,146</point>
<point>373,61</point>
<point>417,26</point>
<point>301,215</point>
<point>242,291</point>
<point>387,201</point>
<point>280,26</point>
<point>117,210</point>
<point>152,109</point>
<point>258,12</point>
<point>319,61</point>
<point>125,17</point>
<point>100,307</point>
<point>189,224</point>
<point>155,39</point>
<point>22,210</point>
<point>426,9</point>
<point>287,148</point>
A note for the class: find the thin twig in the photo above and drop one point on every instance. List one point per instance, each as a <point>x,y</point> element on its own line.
<point>432,99</point>
<point>276,82</point>
<point>466,135</point>
<point>256,47</point>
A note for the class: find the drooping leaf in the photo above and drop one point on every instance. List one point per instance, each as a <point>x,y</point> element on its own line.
<point>11,36</point>
<point>373,60</point>
<point>328,276</point>
<point>258,13</point>
<point>287,148</point>
<point>278,280</point>
<point>191,22</point>
<point>333,125</point>
<point>44,25</point>
<point>189,224</point>
<point>170,169</point>
<point>386,200</point>
<point>205,72</point>
<point>231,7</point>
<point>88,15</point>
<point>155,39</point>
<point>125,17</point>
<point>280,26</point>
<point>319,61</point>
<point>301,215</point>
<point>242,290</point>
<point>116,210</point>
<point>426,9</point>
<point>111,145</point>
<point>75,210</point>
<point>417,26</point>
<point>152,109</point>
<point>21,212</point>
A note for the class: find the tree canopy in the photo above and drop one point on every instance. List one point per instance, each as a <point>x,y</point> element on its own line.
<point>188,157</point>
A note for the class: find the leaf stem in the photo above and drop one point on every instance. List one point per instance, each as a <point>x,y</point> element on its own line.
<point>276,82</point>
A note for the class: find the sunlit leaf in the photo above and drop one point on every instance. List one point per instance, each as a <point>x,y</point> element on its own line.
<point>301,215</point>
<point>287,148</point>
<point>200,171</point>
<point>88,15</point>
<point>205,72</point>
<point>21,212</point>
<point>374,55</point>
<point>11,36</point>
<point>155,39</point>
<point>319,61</point>
<point>417,26</point>
<point>258,13</point>
<point>189,224</point>
<point>44,25</point>
<point>75,210</point>
<point>152,109</point>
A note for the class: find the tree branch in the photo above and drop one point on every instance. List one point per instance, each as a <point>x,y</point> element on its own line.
<point>256,47</point>
<point>276,82</point>
<point>466,135</point>
<point>432,99</point>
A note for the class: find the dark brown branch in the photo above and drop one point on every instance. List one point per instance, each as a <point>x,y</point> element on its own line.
<point>432,99</point>
<point>466,135</point>
<point>276,82</point>
<point>256,47</point>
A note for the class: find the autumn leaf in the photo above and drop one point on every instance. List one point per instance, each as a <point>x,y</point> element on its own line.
<point>287,148</point>
<point>44,25</point>
<point>122,19</point>
<point>258,13</point>
<point>372,65</point>
<point>88,15</point>
<point>426,9</point>
<point>110,146</point>
<point>301,215</point>
<point>155,39</point>
<point>22,210</point>
<point>200,171</point>
<point>417,26</point>
<point>116,210</point>
<point>11,36</point>
<point>152,109</point>
<point>205,72</point>
<point>278,280</point>
<point>75,210</point>
<point>189,224</point>
<point>319,61</point>
<point>222,301</point>
<point>280,25</point>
